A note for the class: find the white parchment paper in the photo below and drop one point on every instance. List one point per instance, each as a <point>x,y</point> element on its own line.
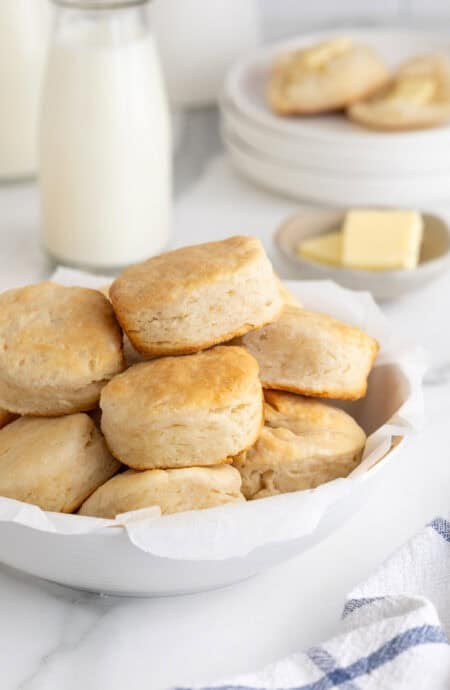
<point>392,409</point>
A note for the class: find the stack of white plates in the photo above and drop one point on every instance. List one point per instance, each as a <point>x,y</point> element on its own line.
<point>327,158</point>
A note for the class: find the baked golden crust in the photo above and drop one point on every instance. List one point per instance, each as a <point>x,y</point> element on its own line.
<point>182,411</point>
<point>418,97</point>
<point>53,463</point>
<point>130,354</point>
<point>192,298</point>
<point>304,443</point>
<point>312,354</point>
<point>58,346</point>
<point>346,72</point>
<point>6,417</point>
<point>190,488</point>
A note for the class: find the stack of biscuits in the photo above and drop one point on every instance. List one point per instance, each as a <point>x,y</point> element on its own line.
<point>340,74</point>
<point>196,382</point>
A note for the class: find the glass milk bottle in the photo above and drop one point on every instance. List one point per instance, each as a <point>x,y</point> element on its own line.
<point>23,42</point>
<point>105,152</point>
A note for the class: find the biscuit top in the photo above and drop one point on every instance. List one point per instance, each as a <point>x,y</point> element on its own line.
<point>5,417</point>
<point>422,81</point>
<point>167,277</point>
<point>30,438</point>
<point>417,90</point>
<point>336,335</point>
<point>318,56</point>
<point>305,415</point>
<point>209,379</point>
<point>51,335</point>
<point>418,97</point>
<point>322,59</point>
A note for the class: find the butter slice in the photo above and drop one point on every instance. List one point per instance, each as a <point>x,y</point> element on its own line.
<point>381,240</point>
<point>415,90</point>
<point>325,249</point>
<point>318,56</point>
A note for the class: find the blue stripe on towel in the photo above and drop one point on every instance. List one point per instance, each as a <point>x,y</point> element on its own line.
<point>425,634</point>
<point>353,604</point>
<point>327,663</point>
<point>442,527</point>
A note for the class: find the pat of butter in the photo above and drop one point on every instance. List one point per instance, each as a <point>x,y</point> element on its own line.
<point>320,55</point>
<point>325,249</point>
<point>381,240</point>
<point>416,90</point>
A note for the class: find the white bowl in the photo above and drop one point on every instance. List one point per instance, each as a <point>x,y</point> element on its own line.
<point>384,285</point>
<point>106,561</point>
<point>200,550</point>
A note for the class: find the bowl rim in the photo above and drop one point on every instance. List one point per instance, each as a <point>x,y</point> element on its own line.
<point>115,530</point>
<point>422,266</point>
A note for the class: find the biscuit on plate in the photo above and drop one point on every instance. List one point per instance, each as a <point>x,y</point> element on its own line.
<point>189,488</point>
<point>418,97</point>
<point>312,354</point>
<point>5,417</point>
<point>58,347</point>
<point>53,463</point>
<point>324,77</point>
<point>192,298</point>
<point>181,411</point>
<point>304,443</point>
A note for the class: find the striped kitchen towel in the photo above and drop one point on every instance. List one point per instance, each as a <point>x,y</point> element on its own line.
<point>395,630</point>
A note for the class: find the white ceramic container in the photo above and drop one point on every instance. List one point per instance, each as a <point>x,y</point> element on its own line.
<point>383,285</point>
<point>147,555</point>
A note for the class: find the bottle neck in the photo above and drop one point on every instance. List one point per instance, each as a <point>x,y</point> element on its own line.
<point>101,27</point>
<point>99,5</point>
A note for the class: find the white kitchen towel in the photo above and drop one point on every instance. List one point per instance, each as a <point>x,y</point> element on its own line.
<point>395,630</point>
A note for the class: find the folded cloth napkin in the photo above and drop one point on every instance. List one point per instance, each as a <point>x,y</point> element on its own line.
<point>395,630</point>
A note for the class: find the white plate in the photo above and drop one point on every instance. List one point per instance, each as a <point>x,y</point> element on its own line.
<point>246,82</point>
<point>321,146</point>
<point>201,550</point>
<point>324,157</point>
<point>329,187</point>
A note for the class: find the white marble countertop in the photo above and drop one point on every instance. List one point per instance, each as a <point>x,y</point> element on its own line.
<point>53,638</point>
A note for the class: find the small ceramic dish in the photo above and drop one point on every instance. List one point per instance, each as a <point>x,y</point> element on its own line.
<point>384,285</point>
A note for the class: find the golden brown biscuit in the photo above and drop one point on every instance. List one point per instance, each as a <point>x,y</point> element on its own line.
<point>312,354</point>
<point>304,443</point>
<point>58,347</point>
<point>183,411</point>
<point>54,463</point>
<point>6,417</point>
<point>174,491</point>
<point>191,298</point>
<point>130,354</point>
<point>418,97</point>
<point>323,77</point>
